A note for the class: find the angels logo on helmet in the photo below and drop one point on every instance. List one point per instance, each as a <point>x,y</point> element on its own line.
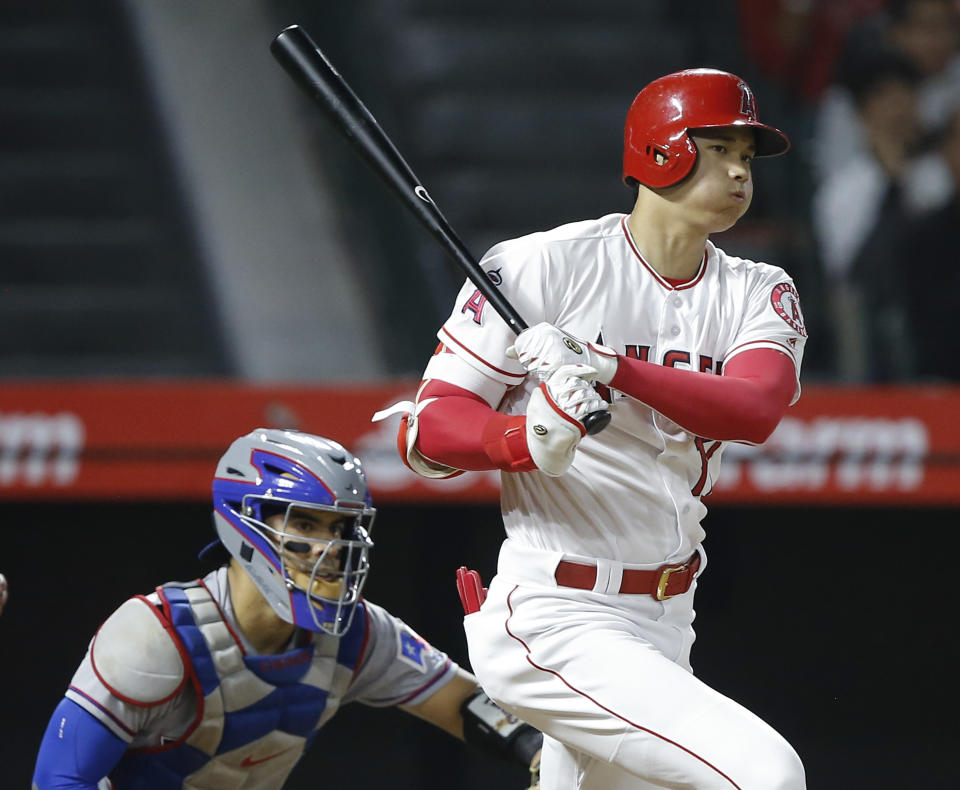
<point>295,511</point>
<point>748,104</point>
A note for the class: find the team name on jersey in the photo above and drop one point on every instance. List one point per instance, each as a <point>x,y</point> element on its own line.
<point>673,358</point>
<point>706,448</point>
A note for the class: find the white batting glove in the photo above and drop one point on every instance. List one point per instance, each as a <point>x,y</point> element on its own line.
<point>544,348</point>
<point>555,412</point>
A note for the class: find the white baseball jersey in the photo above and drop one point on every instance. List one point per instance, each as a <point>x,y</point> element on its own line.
<point>605,675</point>
<point>634,490</point>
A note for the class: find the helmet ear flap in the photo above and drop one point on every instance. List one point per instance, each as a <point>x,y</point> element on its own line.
<point>667,165</point>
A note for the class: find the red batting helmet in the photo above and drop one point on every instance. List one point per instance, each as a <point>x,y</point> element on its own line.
<point>657,149</point>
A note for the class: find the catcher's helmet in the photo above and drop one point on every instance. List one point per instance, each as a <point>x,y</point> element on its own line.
<point>657,149</point>
<point>270,472</point>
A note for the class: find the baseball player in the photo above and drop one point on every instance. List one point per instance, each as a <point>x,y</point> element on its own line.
<point>225,681</point>
<point>586,629</point>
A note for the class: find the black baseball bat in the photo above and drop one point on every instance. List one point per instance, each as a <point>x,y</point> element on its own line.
<point>314,73</point>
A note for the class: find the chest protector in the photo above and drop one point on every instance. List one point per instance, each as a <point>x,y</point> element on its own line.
<point>255,714</point>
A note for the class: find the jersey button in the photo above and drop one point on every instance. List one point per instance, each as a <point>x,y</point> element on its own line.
<point>675,331</point>
<point>678,302</point>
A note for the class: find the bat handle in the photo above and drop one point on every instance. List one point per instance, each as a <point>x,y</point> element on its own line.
<point>596,421</point>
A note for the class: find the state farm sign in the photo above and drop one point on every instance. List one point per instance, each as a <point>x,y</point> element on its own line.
<point>849,453</point>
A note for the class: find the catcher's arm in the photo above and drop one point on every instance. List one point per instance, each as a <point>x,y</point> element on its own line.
<point>76,752</point>
<point>443,708</point>
<point>466,712</point>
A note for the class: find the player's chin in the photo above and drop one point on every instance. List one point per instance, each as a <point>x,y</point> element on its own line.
<point>728,216</point>
<point>330,592</point>
<point>328,586</point>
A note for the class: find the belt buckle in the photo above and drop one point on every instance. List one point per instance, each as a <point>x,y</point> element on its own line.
<point>661,594</point>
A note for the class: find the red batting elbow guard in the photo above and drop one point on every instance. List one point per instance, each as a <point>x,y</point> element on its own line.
<point>461,430</point>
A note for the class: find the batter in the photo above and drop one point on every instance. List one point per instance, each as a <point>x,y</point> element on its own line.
<point>586,630</point>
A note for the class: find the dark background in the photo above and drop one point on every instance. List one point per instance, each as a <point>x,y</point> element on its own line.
<point>832,625</point>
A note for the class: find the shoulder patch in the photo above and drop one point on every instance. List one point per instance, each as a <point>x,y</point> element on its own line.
<point>786,301</point>
<point>410,649</point>
<point>136,657</point>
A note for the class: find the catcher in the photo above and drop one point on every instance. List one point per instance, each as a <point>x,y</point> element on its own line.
<point>225,681</point>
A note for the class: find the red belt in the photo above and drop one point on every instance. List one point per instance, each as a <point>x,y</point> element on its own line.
<point>662,583</point>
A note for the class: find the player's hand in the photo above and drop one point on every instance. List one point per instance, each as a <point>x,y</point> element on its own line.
<point>555,412</point>
<point>544,348</point>
<point>3,592</point>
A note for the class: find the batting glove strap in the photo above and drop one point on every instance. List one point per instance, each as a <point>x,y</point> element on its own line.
<point>544,348</point>
<point>498,733</point>
<point>554,414</point>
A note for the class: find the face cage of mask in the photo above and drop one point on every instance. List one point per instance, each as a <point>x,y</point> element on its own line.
<point>351,566</point>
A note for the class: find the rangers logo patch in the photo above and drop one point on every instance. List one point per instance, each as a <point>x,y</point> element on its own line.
<point>411,649</point>
<point>786,301</point>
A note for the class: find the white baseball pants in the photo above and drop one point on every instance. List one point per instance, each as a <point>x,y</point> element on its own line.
<point>606,677</point>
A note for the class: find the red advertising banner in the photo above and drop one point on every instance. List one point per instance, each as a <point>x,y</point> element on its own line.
<point>865,446</point>
<point>150,440</point>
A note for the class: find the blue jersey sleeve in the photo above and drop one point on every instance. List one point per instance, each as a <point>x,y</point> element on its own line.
<point>76,752</point>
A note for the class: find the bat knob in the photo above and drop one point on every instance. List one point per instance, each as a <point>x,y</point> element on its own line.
<point>596,421</point>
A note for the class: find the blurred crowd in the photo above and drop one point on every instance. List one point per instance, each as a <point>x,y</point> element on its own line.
<point>879,82</point>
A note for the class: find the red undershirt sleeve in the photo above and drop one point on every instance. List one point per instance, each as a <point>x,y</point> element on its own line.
<point>744,404</point>
<point>459,429</point>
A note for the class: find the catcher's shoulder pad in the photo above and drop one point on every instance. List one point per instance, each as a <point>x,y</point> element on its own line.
<point>137,656</point>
